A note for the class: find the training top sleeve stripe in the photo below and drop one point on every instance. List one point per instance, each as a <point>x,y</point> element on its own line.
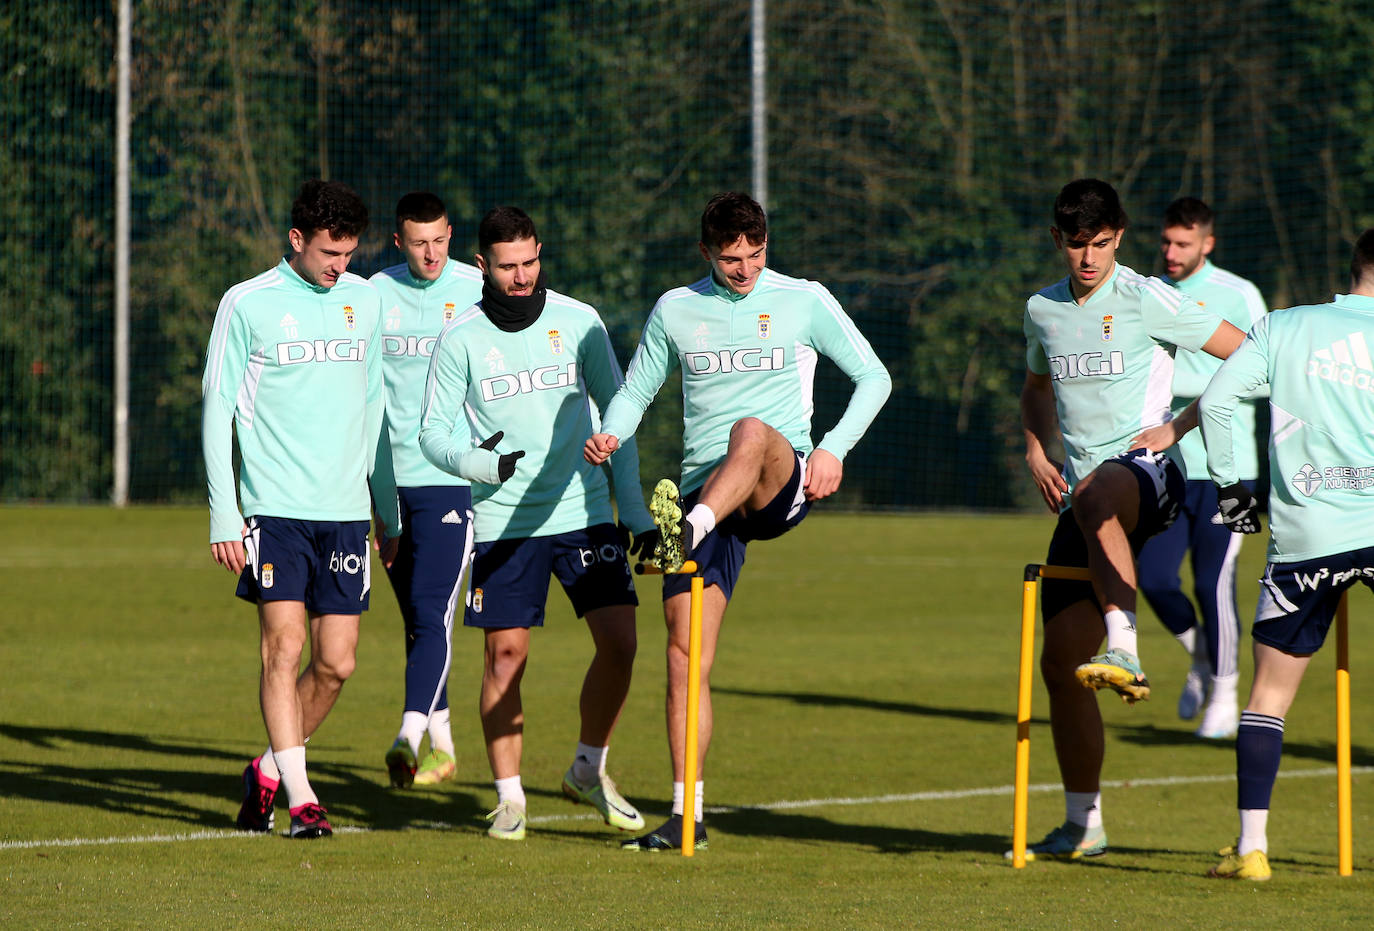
<point>224,321</point>
<point>862,350</point>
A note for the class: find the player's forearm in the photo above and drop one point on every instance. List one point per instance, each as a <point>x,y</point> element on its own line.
<point>645,376</point>
<point>1185,421</point>
<point>1217,409</point>
<point>629,498</point>
<point>382,481</point>
<point>226,523</point>
<point>1038,421</point>
<point>1240,376</point>
<point>872,387</point>
<point>622,416</point>
<point>450,448</point>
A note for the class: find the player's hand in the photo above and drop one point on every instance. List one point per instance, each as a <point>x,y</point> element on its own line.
<point>1049,478</point>
<point>1157,438</point>
<point>640,545</point>
<point>505,466</point>
<point>1238,509</point>
<point>823,474</point>
<point>599,447</point>
<point>386,547</point>
<point>230,554</point>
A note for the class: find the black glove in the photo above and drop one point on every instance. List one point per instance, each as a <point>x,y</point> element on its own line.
<point>641,545</point>
<point>1238,508</point>
<point>505,466</point>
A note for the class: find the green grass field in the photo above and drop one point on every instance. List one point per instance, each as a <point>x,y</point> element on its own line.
<point>860,778</point>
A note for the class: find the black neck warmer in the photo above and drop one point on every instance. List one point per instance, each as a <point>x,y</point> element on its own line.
<point>513,312</point>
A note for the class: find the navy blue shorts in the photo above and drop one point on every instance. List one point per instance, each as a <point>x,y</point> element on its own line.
<point>510,578</point>
<point>323,563</point>
<point>1162,490</point>
<point>720,556</point>
<point>1298,600</point>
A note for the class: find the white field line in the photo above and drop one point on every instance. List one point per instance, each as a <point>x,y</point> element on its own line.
<point>937,795</point>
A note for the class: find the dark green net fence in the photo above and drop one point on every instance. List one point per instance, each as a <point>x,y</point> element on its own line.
<point>915,148</point>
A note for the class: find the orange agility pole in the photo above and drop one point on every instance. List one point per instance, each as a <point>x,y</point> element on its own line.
<point>1345,848</point>
<point>689,776</point>
<point>1020,802</point>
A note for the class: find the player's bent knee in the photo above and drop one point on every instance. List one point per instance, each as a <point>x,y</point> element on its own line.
<point>282,653</point>
<point>336,669</point>
<point>748,430</point>
<point>1058,672</point>
<point>620,650</point>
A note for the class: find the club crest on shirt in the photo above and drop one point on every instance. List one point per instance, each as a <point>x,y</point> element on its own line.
<point>476,601</point>
<point>702,336</point>
<point>555,342</point>
<point>349,319</point>
<point>1106,328</point>
<point>449,310</point>
<point>765,326</point>
<point>267,575</point>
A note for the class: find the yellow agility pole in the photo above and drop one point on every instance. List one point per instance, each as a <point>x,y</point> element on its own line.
<point>689,776</point>
<point>1020,794</point>
<point>1345,848</point>
<point>689,762</point>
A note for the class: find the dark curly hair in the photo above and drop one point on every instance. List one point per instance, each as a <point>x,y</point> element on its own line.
<point>504,224</point>
<point>1086,206</point>
<point>329,205</point>
<point>731,215</point>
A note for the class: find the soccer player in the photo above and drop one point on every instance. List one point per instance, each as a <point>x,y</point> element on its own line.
<point>1099,354</point>
<point>294,367</point>
<point>746,339</point>
<point>1186,242</point>
<point>426,556</point>
<point>523,366</point>
<point>1316,363</point>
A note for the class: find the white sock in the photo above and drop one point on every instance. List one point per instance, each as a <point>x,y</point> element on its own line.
<point>412,729</point>
<point>1121,631</point>
<point>1254,825</point>
<point>588,763</point>
<point>268,766</point>
<point>703,521</point>
<point>291,761</point>
<point>679,798</point>
<point>441,732</point>
<point>1083,808</point>
<point>509,790</point>
<point>1189,640</point>
<point>1224,688</point>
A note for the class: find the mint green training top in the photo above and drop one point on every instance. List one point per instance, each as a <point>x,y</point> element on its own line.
<point>748,355</point>
<point>1316,363</point>
<point>537,385</point>
<point>1238,301</point>
<point>1111,360</point>
<point>296,370</point>
<point>414,310</point>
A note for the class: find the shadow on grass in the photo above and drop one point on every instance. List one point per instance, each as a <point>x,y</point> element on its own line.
<point>754,823</point>
<point>1149,735</point>
<point>870,704</point>
<point>165,788</point>
<point>763,822</point>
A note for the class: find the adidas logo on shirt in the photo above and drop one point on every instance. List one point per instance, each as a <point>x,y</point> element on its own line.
<point>496,362</point>
<point>1345,362</point>
<point>451,518</point>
